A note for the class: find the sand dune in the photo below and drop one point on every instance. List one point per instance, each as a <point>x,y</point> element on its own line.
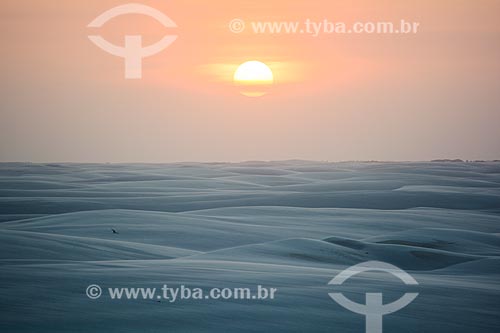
<point>292,225</point>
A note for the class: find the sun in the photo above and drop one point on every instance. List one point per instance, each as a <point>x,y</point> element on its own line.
<point>254,78</point>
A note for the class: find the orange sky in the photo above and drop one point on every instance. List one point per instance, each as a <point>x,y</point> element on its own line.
<point>423,96</point>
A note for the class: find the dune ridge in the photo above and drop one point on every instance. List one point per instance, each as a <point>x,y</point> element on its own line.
<point>292,225</point>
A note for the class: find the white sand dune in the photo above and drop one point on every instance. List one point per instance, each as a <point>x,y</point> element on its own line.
<point>291,225</point>
<point>459,241</point>
<point>339,251</point>
<point>25,245</point>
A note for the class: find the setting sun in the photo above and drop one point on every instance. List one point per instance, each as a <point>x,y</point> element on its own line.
<point>254,77</point>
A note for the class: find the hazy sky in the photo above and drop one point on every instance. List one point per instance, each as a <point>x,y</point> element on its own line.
<point>435,94</point>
